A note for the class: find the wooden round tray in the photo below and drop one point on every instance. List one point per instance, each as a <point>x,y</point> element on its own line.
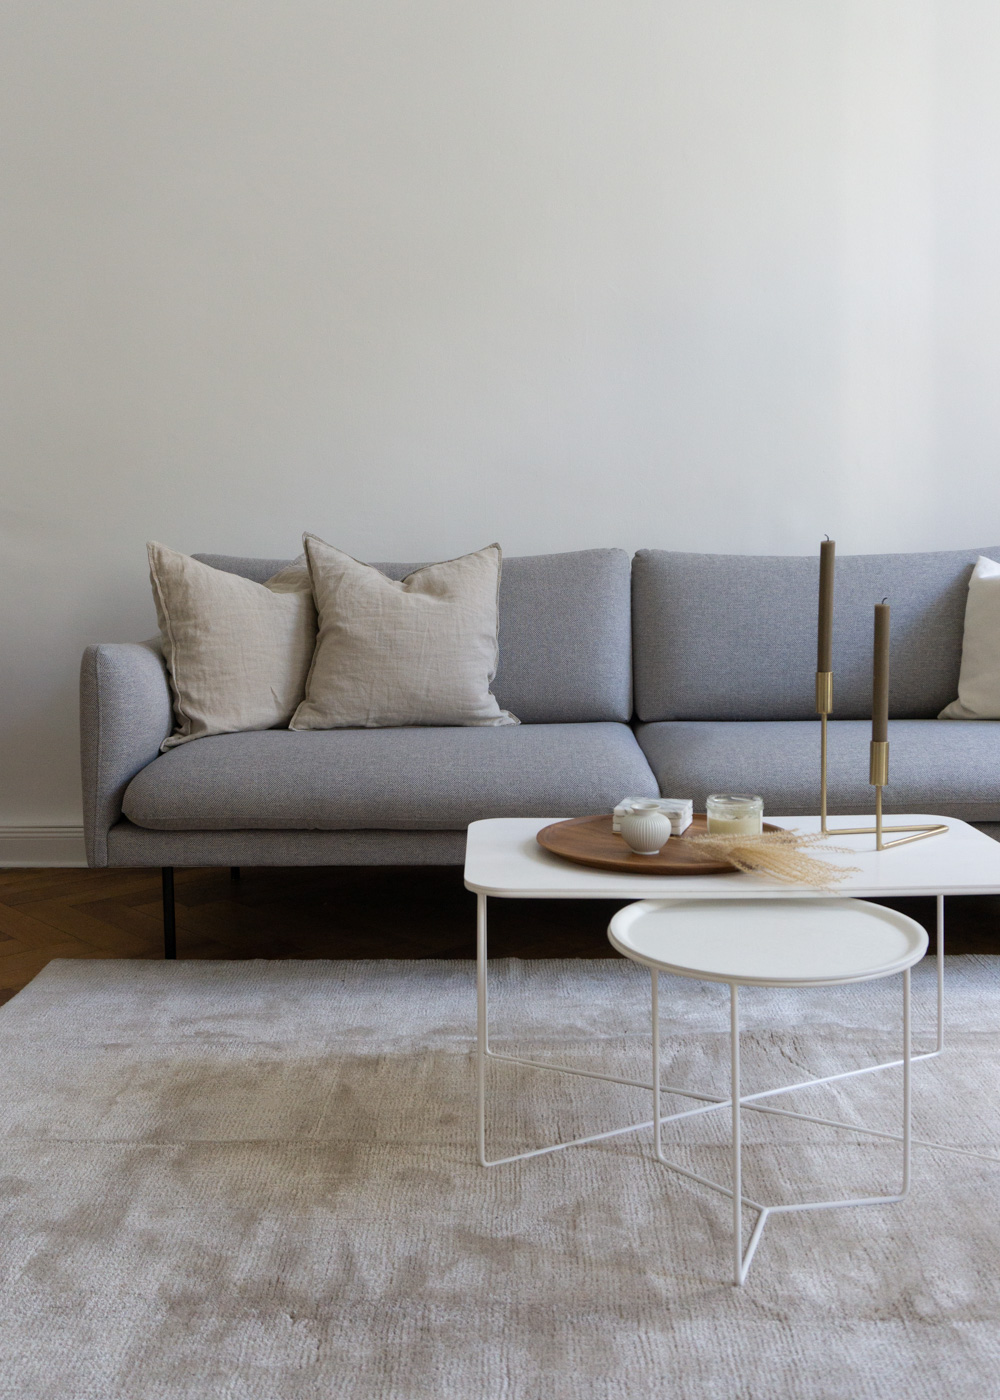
<point>590,841</point>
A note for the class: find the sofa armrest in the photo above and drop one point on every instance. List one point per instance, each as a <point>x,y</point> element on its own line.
<point>125,715</point>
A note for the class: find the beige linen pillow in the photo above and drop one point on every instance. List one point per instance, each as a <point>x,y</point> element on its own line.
<point>422,651</point>
<point>979,677</point>
<point>238,652</point>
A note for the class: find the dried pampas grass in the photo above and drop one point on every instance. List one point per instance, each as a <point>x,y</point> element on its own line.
<point>780,854</point>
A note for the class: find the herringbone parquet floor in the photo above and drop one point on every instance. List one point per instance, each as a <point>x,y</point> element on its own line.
<point>336,912</point>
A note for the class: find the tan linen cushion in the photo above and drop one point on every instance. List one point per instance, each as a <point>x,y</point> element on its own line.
<point>979,677</point>
<point>238,652</point>
<point>388,653</point>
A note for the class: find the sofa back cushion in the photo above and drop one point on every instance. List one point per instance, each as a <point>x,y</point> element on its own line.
<point>733,637</point>
<point>565,632</point>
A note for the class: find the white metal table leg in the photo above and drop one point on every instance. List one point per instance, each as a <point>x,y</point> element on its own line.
<point>742,1258</point>
<point>940,973</point>
<point>907,1061</point>
<point>736,1144</point>
<point>655,1007</point>
<point>482,1027</point>
<point>707,1103</point>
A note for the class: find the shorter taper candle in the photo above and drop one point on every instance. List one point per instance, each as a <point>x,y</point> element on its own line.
<point>880,675</point>
<point>824,637</point>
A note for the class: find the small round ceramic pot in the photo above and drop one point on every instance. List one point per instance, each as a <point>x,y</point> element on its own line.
<point>645,829</point>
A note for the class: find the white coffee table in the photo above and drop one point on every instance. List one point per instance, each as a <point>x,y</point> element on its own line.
<point>504,861</point>
<point>768,943</point>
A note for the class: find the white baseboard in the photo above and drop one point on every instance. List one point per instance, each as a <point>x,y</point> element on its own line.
<point>26,847</point>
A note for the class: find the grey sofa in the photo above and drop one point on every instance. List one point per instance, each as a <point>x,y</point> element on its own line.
<point>718,652</point>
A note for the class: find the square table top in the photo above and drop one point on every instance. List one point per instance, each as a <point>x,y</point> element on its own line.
<point>504,860</point>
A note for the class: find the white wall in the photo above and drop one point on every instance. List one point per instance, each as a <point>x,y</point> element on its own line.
<point>702,274</point>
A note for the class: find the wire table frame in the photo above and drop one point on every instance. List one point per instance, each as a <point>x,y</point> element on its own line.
<point>825,958</point>
<point>707,1103</point>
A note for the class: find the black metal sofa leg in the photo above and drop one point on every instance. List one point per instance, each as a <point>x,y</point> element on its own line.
<point>169,926</point>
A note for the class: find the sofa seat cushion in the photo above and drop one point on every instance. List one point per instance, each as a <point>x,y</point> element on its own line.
<point>949,769</point>
<point>391,779</point>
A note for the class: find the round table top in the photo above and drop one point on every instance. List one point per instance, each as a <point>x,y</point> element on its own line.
<point>772,943</point>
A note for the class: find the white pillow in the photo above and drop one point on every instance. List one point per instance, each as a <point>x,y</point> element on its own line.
<point>419,652</point>
<point>979,678</point>
<point>238,652</point>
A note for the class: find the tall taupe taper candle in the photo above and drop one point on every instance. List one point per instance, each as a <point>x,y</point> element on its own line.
<point>880,676</point>
<point>824,643</point>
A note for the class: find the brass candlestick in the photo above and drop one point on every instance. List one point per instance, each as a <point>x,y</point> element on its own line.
<point>878,776</point>
<point>824,704</point>
<point>878,764</point>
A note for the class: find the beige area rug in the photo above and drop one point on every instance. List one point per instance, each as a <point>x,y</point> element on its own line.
<point>256,1181</point>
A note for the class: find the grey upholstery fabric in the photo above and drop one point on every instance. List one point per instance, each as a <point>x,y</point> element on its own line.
<point>258,570</point>
<point>125,714</point>
<point>565,639</point>
<point>130,845</point>
<point>388,779</point>
<point>733,637</point>
<point>951,769</point>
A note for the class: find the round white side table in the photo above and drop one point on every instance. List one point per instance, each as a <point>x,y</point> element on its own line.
<point>769,943</point>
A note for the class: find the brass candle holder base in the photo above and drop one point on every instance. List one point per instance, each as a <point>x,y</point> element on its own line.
<point>917,831</point>
<point>878,776</point>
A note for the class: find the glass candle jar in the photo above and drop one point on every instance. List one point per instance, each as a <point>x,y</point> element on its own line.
<point>734,814</point>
